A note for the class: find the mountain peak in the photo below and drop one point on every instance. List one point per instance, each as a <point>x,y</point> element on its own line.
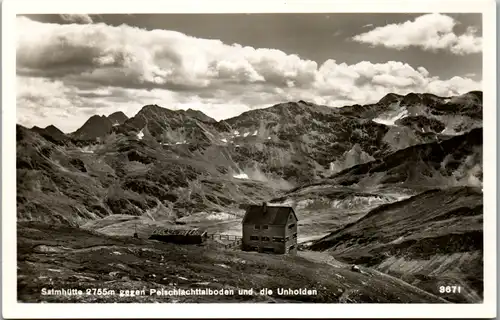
<point>51,133</point>
<point>199,115</point>
<point>96,117</point>
<point>411,98</point>
<point>154,110</point>
<point>117,113</point>
<point>390,98</point>
<point>52,127</point>
<point>305,102</point>
<point>118,117</point>
<point>476,93</point>
<point>96,126</point>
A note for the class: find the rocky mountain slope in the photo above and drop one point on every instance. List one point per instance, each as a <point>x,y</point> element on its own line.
<point>434,238</point>
<point>176,163</point>
<point>52,134</point>
<point>122,176</point>
<point>337,167</point>
<point>455,114</point>
<point>456,161</point>
<point>347,195</point>
<point>97,127</point>
<point>117,118</point>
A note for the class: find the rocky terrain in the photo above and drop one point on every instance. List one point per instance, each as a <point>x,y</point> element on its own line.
<point>431,239</point>
<point>66,257</point>
<point>343,169</point>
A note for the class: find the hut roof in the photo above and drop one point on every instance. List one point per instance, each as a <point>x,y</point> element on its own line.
<point>271,215</point>
<point>179,232</point>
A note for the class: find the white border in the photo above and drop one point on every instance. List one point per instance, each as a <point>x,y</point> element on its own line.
<point>11,309</point>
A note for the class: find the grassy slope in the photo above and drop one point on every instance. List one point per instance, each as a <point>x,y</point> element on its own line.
<point>65,257</point>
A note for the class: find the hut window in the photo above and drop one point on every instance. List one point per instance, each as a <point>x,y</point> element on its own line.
<point>291,226</point>
<point>295,235</point>
<point>256,227</point>
<point>265,227</point>
<point>265,239</point>
<point>287,238</point>
<point>277,239</point>
<point>291,248</point>
<point>254,238</point>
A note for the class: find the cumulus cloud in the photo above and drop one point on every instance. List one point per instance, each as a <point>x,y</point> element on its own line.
<point>39,101</point>
<point>76,70</point>
<point>76,18</point>
<point>136,58</point>
<point>430,32</point>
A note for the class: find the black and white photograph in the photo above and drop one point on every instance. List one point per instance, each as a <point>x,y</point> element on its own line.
<point>250,158</point>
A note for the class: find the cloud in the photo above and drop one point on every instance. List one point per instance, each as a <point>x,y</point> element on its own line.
<point>430,32</point>
<point>135,57</point>
<point>76,18</point>
<point>39,101</point>
<point>73,70</point>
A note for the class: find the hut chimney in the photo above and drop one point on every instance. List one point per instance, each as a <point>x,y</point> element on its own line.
<point>264,207</point>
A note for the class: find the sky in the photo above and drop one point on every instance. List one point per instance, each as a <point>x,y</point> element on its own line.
<point>72,66</point>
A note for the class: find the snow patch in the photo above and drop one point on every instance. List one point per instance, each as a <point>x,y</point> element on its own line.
<point>389,121</point>
<point>223,140</point>
<point>140,135</point>
<point>116,124</point>
<point>237,133</point>
<point>310,238</point>
<point>87,149</point>
<point>210,216</point>
<point>268,138</point>
<point>246,134</point>
<point>450,132</point>
<point>255,132</point>
<point>361,202</point>
<point>241,175</point>
<point>398,240</point>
